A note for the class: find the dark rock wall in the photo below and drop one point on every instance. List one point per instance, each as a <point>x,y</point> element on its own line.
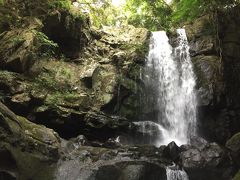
<point>214,42</point>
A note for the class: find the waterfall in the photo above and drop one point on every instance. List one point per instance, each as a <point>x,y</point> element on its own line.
<point>174,174</point>
<point>170,83</point>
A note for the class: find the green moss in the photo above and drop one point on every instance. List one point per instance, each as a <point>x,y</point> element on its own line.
<point>237,176</point>
<point>140,50</point>
<point>46,47</point>
<point>17,41</point>
<point>8,75</point>
<point>29,163</point>
<point>60,4</point>
<point>62,98</point>
<point>46,81</point>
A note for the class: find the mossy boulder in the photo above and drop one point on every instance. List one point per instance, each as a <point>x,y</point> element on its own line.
<point>19,46</point>
<point>104,82</point>
<point>208,78</point>
<point>28,146</point>
<point>234,145</point>
<point>71,31</point>
<point>57,91</point>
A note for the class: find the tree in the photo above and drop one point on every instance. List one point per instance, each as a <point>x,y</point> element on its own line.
<point>101,12</point>
<point>187,10</point>
<point>152,14</point>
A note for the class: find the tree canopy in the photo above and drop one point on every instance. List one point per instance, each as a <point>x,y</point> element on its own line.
<point>153,14</point>
<point>188,10</point>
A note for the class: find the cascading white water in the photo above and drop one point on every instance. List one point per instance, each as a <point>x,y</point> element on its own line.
<point>188,82</point>
<point>174,174</point>
<point>170,84</point>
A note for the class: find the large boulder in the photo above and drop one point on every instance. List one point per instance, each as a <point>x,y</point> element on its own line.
<point>233,144</point>
<point>204,160</point>
<point>26,147</point>
<point>19,46</point>
<point>209,85</point>
<point>69,29</point>
<point>124,162</point>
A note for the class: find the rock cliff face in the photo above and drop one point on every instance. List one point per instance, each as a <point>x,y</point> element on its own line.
<point>59,72</point>
<point>214,50</point>
<point>214,42</point>
<point>69,92</point>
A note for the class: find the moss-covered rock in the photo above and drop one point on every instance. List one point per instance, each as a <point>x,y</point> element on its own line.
<point>208,74</point>
<point>18,50</point>
<point>28,146</point>
<point>71,31</point>
<point>215,53</point>
<point>234,145</point>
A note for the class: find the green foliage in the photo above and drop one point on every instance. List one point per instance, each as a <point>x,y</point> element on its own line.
<point>46,46</point>
<point>6,21</point>
<point>154,15</point>
<point>157,15</point>
<point>60,4</point>
<point>46,81</point>
<point>1,2</point>
<point>188,10</point>
<point>184,10</point>
<point>17,40</point>
<point>101,12</point>
<point>61,98</point>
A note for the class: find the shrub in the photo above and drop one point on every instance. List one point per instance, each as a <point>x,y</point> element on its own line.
<point>47,47</point>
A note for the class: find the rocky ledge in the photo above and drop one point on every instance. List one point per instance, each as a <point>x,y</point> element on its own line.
<point>30,151</point>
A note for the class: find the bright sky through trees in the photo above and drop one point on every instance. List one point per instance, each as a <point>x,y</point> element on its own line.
<point>168,1</point>
<point>118,2</point>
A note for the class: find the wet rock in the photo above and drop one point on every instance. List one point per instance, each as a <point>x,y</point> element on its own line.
<point>208,156</point>
<point>204,45</point>
<point>206,161</point>
<point>111,143</point>
<point>100,126</point>
<point>172,151</point>
<point>121,163</point>
<point>209,85</point>
<point>216,65</point>
<point>198,142</point>
<point>81,140</point>
<point>145,171</point>
<point>147,132</point>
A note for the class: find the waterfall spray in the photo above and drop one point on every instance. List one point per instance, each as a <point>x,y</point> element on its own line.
<point>170,83</point>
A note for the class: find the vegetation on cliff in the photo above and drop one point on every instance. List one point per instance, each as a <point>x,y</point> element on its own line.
<point>154,15</point>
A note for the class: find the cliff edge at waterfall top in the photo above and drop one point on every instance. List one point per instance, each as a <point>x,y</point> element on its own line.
<point>119,90</point>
